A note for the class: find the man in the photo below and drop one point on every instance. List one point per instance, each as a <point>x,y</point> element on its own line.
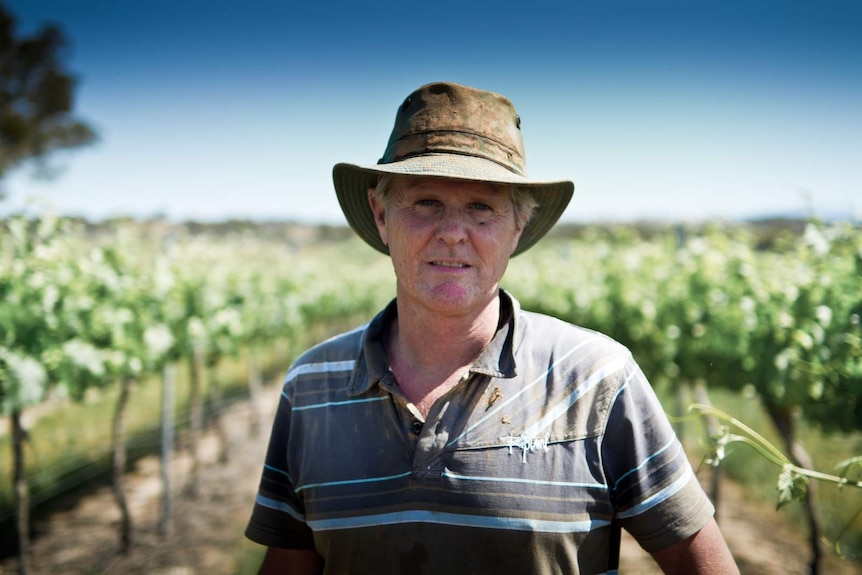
<point>457,433</point>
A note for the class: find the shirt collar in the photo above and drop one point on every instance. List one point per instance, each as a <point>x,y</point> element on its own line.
<point>496,360</point>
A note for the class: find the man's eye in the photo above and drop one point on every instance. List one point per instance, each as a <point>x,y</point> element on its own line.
<point>481,207</point>
<point>426,203</point>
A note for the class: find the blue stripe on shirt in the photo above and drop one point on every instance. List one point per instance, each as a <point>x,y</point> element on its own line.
<point>460,520</point>
<point>648,459</point>
<point>659,497</point>
<point>325,367</point>
<point>279,506</point>
<point>353,481</point>
<point>339,403</point>
<point>456,476</point>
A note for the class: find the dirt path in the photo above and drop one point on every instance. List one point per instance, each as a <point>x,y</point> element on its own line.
<point>207,531</point>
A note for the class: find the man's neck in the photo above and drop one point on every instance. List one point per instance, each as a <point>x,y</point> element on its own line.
<point>429,338</point>
<point>429,353</point>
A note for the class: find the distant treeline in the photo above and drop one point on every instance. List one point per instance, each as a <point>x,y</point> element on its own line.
<point>766,231</point>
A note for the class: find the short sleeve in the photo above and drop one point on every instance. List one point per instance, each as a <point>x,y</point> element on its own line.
<point>657,496</point>
<point>278,516</point>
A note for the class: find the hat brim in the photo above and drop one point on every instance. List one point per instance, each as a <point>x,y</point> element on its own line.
<point>352,183</point>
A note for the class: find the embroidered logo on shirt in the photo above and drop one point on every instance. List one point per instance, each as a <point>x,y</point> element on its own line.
<point>526,443</point>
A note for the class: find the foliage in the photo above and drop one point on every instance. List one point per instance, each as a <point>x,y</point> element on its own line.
<point>36,96</point>
<point>783,323</point>
<point>78,313</point>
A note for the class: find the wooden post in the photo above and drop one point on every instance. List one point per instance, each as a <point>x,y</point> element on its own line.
<point>217,407</point>
<point>255,387</point>
<point>119,464</point>
<point>196,419</point>
<point>22,500</point>
<point>168,393</point>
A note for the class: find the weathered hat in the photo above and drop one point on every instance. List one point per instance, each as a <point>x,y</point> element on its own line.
<point>452,131</point>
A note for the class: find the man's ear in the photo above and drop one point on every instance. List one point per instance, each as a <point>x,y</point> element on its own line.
<point>518,232</point>
<point>379,215</point>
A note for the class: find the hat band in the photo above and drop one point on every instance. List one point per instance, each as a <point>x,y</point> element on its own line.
<point>454,142</point>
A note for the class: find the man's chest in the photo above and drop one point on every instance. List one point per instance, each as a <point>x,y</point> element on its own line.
<point>474,454</point>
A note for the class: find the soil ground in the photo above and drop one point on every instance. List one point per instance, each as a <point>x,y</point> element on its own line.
<point>206,535</point>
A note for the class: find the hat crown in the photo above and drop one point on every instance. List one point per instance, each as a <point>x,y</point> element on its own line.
<point>446,130</point>
<point>448,118</point>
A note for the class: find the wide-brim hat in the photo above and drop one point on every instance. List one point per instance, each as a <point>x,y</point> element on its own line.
<point>447,130</point>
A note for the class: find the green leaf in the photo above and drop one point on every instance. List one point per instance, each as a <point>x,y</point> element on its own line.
<point>853,464</point>
<point>792,486</point>
<point>27,377</point>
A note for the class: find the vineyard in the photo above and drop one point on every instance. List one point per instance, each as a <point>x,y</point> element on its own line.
<point>122,339</point>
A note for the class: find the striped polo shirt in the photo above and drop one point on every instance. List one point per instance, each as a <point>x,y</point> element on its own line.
<point>519,468</point>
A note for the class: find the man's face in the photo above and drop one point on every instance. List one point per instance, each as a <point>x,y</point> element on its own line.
<point>450,241</point>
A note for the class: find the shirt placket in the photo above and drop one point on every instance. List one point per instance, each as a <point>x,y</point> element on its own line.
<point>429,436</point>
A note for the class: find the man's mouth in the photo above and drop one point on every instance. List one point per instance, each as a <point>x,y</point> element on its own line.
<point>450,264</point>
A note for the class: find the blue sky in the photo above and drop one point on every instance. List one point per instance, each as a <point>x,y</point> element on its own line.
<point>691,109</point>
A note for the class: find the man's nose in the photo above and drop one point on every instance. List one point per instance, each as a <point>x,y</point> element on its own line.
<point>452,227</point>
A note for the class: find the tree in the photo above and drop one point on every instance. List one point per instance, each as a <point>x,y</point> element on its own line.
<point>36,97</point>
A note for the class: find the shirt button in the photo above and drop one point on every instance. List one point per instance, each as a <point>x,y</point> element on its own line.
<point>417,427</point>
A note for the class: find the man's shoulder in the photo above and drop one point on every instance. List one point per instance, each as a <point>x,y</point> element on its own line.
<point>342,347</point>
<point>326,366</point>
<point>542,329</point>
